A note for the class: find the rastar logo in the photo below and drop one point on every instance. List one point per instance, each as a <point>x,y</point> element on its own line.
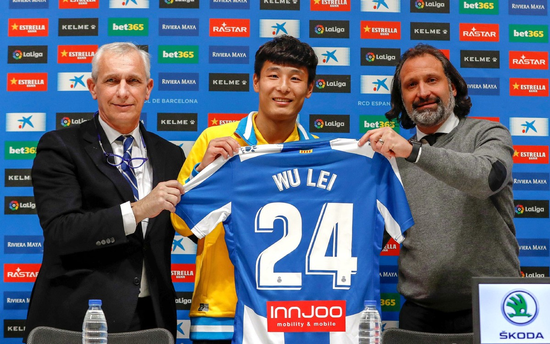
<point>306,316</point>
<point>26,27</point>
<point>21,272</point>
<point>78,4</point>
<point>75,53</point>
<point>215,119</point>
<point>530,154</point>
<point>528,33</point>
<point>380,30</point>
<point>27,82</point>
<point>330,5</point>
<point>183,273</point>
<point>479,32</point>
<point>528,59</point>
<point>229,27</point>
<point>529,87</point>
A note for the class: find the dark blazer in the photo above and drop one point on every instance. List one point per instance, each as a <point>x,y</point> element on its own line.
<point>86,252</point>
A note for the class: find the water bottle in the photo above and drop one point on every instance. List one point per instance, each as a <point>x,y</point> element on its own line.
<point>369,324</point>
<point>94,326</point>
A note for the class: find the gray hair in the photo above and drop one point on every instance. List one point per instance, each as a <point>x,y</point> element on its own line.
<point>120,48</point>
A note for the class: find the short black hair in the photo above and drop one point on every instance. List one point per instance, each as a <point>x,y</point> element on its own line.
<point>287,51</point>
<point>463,103</point>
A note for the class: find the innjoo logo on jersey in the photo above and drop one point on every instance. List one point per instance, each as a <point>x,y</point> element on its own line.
<point>380,30</point>
<point>376,84</point>
<point>332,56</point>
<point>330,5</point>
<point>215,119</point>
<point>479,32</point>
<point>27,82</point>
<point>21,272</point>
<point>277,27</point>
<point>529,87</point>
<point>73,81</point>
<point>26,27</point>
<point>183,273</point>
<point>528,59</point>
<point>75,53</point>
<point>78,4</point>
<point>229,27</point>
<point>306,316</point>
<point>530,155</point>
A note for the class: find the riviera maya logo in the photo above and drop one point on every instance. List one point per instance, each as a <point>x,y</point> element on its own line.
<point>519,307</point>
<point>419,4</point>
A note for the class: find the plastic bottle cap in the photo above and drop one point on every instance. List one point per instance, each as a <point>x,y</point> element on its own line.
<point>370,303</point>
<point>94,302</point>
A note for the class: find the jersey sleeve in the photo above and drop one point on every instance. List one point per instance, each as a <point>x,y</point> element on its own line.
<point>391,199</point>
<point>205,202</point>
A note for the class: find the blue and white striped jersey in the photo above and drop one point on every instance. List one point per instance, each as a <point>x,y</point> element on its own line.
<point>304,223</point>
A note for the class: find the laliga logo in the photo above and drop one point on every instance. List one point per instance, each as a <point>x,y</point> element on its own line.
<point>319,29</point>
<point>18,55</point>
<point>65,121</point>
<point>169,2</point>
<point>419,4</point>
<point>371,57</point>
<point>319,123</point>
<point>14,205</point>
<point>520,209</point>
<point>320,84</point>
<point>519,307</point>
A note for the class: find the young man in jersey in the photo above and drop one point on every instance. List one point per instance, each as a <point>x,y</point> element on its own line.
<point>457,174</point>
<point>284,71</point>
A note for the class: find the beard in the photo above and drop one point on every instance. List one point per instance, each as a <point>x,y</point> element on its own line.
<point>428,117</point>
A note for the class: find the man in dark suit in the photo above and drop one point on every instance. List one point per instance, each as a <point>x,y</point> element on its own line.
<point>104,238</point>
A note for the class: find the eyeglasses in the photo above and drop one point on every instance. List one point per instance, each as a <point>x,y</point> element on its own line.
<point>116,160</point>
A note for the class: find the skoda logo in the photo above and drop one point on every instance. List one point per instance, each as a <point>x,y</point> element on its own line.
<point>520,307</point>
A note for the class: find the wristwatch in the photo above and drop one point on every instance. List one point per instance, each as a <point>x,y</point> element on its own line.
<point>417,145</point>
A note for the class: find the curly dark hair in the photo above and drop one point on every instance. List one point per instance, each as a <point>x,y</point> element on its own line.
<point>463,103</point>
<point>287,51</point>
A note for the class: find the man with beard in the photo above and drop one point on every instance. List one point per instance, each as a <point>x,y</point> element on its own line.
<point>457,176</point>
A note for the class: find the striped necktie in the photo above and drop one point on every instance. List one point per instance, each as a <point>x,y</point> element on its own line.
<point>127,170</point>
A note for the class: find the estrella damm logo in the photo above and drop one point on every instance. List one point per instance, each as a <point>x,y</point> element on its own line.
<point>20,150</point>
<point>178,54</point>
<point>520,307</point>
<point>528,33</point>
<point>479,7</point>
<point>128,26</point>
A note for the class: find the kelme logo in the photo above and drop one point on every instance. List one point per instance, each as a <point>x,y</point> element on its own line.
<point>128,26</point>
<point>519,307</point>
<point>528,33</point>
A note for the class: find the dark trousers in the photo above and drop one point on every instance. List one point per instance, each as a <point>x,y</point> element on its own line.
<point>144,318</point>
<point>417,318</point>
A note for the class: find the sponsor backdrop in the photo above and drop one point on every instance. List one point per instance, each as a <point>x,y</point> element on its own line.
<point>202,64</point>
